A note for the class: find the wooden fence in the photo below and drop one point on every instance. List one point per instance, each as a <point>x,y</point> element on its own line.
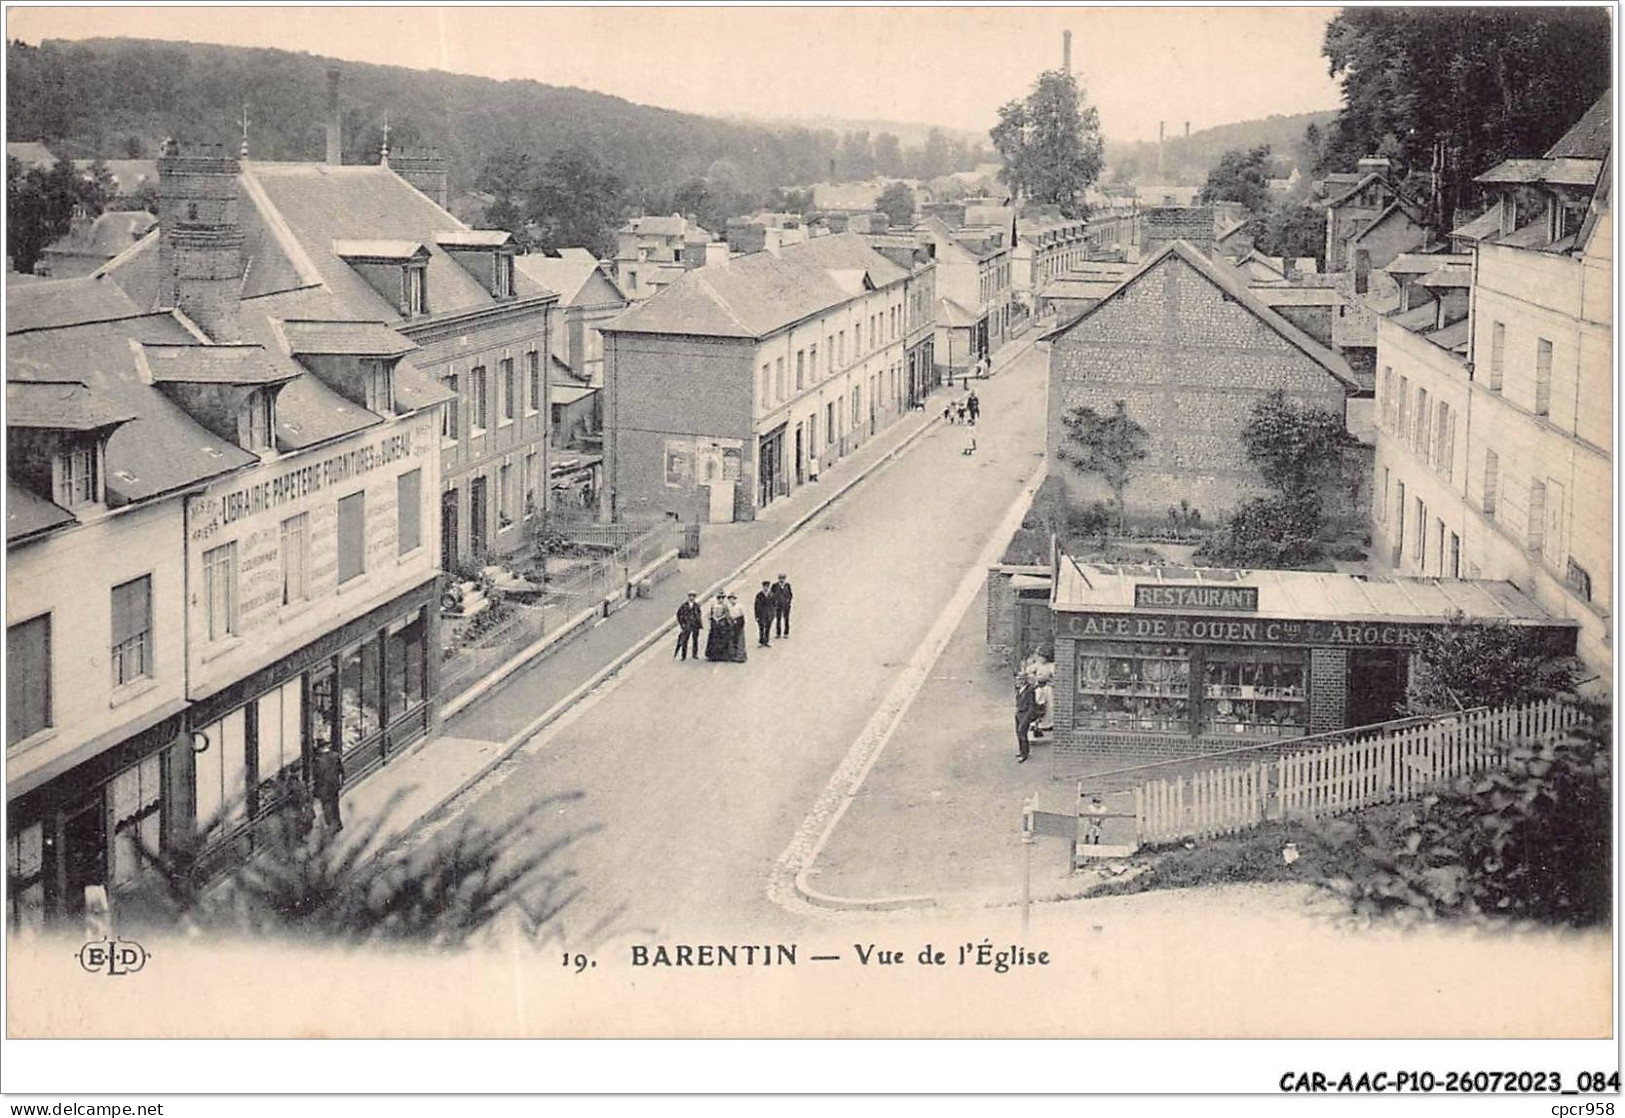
<point>1381,768</point>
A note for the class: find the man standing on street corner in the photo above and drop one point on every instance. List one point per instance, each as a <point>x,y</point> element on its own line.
<point>782,596</point>
<point>1026,715</point>
<point>689,623</point>
<point>327,774</point>
<point>765,606</point>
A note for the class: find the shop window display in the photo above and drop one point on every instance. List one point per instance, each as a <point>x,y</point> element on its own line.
<point>1255,692</point>
<point>1134,687</point>
<point>360,691</point>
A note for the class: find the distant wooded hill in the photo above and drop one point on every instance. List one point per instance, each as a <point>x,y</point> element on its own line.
<point>1189,160</point>
<point>118,98</point>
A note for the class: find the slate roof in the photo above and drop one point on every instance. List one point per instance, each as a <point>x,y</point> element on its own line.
<point>379,249</point>
<point>657,225</point>
<point>1553,172</point>
<point>162,448</point>
<point>40,306</point>
<point>1485,225</point>
<point>1354,188</point>
<point>107,236</point>
<point>28,515</point>
<point>950,313</point>
<point>565,274</point>
<point>311,205</point>
<point>755,295</point>
<point>1447,275</point>
<point>1229,282</point>
<point>31,154</point>
<point>60,406</point>
<point>1421,263</point>
<point>1591,137</point>
<point>197,363</point>
<point>358,339</point>
<point>474,238</point>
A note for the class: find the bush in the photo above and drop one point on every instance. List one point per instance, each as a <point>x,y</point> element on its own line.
<point>1529,839</point>
<point>1266,533</point>
<point>1471,664</point>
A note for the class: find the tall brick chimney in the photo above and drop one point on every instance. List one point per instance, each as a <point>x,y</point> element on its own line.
<point>200,244</point>
<point>425,169</point>
<point>1066,51</point>
<point>335,140</point>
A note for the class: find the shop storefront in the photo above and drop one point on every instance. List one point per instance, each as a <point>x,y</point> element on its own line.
<point>1182,660</point>
<point>366,687</point>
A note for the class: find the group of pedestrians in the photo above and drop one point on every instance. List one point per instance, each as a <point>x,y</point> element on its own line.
<point>965,412</point>
<point>726,639</point>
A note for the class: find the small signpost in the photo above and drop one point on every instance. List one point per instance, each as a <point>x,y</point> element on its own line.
<point>1051,824</point>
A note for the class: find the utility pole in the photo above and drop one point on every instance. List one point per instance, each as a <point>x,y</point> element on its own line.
<point>1027,840</point>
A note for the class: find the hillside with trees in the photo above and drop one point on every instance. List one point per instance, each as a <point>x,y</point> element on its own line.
<point>119,98</point>
<point>1190,159</point>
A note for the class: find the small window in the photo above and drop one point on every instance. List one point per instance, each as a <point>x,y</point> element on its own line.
<point>220,591</point>
<point>1492,482</point>
<point>502,281</point>
<point>504,496</point>
<point>78,483</point>
<point>352,537</point>
<point>380,387</point>
<point>294,539</point>
<point>1498,355</point>
<point>801,369</point>
<point>533,375</point>
<point>1579,580</point>
<point>136,800</point>
<point>1537,516</point>
<point>409,509</point>
<point>1543,377</point>
<point>28,678</point>
<point>481,417</point>
<point>258,421</point>
<point>132,631</point>
<point>506,389</point>
<point>451,419</point>
<point>417,291</point>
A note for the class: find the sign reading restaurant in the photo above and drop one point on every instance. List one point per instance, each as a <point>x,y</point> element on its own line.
<point>1163,595</point>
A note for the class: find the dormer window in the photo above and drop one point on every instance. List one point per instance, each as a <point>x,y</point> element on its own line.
<point>78,481</point>
<point>380,387</point>
<point>502,283</point>
<point>417,290</point>
<point>257,423</point>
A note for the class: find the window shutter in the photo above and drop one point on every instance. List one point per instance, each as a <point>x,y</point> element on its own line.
<point>408,502</point>
<point>352,536</point>
<point>28,678</point>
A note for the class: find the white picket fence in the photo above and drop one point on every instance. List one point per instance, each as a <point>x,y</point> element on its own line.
<point>1381,768</point>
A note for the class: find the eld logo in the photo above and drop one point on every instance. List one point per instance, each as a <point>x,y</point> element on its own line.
<point>112,957</point>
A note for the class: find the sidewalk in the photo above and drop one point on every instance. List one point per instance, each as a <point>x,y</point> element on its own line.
<point>477,738</point>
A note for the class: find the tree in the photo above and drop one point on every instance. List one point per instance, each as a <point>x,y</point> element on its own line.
<point>933,161</point>
<point>1241,176</point>
<point>1050,143</point>
<point>1469,664</point>
<point>888,155</point>
<point>41,205</point>
<point>1290,229</point>
<point>857,157</point>
<point>576,201</point>
<point>1299,452</point>
<point>897,203</point>
<point>1486,84</point>
<point>1108,445</point>
<point>509,177</point>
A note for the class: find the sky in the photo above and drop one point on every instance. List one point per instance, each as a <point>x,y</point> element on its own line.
<point>950,66</point>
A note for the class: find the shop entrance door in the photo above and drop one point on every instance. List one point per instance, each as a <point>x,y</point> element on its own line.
<point>768,465</point>
<point>1376,686</point>
<point>476,517</point>
<point>84,835</point>
<point>801,458</point>
<point>448,530</point>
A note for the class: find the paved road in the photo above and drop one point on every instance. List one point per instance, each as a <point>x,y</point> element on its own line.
<point>694,776</point>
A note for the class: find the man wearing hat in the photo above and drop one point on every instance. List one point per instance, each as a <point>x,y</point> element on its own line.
<point>689,623</point>
<point>782,595</point>
<point>764,609</point>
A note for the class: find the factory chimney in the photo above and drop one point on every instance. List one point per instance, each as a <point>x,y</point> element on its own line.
<point>335,147</point>
<point>1066,51</point>
<point>1187,129</point>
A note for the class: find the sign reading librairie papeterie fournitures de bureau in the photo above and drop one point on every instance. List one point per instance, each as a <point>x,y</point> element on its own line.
<point>1161,595</point>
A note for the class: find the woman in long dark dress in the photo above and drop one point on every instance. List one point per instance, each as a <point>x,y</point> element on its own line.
<point>736,619</point>
<point>719,640</point>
